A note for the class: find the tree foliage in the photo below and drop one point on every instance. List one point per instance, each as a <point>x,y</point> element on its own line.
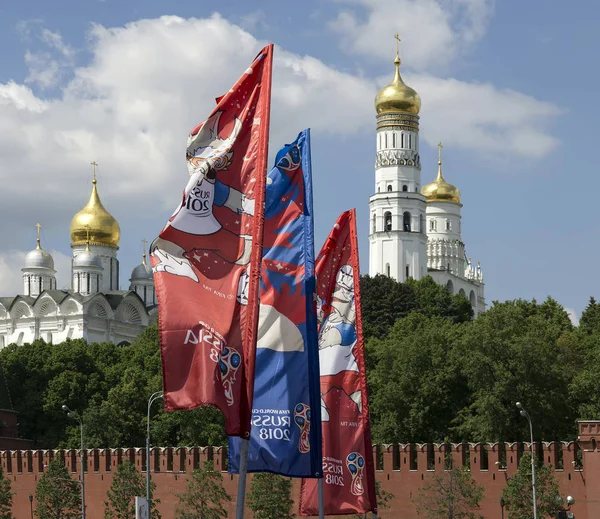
<point>126,485</point>
<point>385,300</point>
<point>434,374</point>
<point>453,494</point>
<point>518,493</point>
<point>58,496</point>
<point>270,496</point>
<point>5,497</point>
<point>205,496</point>
<point>109,385</point>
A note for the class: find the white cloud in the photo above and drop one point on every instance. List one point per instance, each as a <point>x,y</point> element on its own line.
<point>481,117</point>
<point>572,313</point>
<point>149,82</point>
<point>434,32</point>
<point>46,67</point>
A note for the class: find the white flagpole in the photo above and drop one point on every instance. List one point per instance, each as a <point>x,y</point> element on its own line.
<point>321,498</point>
<point>239,512</point>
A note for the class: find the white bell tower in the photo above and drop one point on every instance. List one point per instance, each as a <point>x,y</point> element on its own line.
<point>397,233</point>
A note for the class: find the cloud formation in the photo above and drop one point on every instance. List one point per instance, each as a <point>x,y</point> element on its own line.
<point>149,82</point>
<point>434,32</point>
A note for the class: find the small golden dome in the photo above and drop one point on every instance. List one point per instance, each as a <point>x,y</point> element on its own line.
<point>439,190</point>
<point>94,224</point>
<point>397,96</point>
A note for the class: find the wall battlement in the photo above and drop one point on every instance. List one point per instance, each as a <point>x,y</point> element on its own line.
<point>402,469</point>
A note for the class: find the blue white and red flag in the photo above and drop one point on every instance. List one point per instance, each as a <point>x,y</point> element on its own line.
<point>286,417</point>
<point>348,471</point>
<point>207,259</point>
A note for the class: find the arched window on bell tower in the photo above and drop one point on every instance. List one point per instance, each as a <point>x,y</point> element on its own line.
<point>406,221</point>
<point>373,223</point>
<point>387,218</point>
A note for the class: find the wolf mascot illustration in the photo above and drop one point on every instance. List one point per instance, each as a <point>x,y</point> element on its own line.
<point>337,338</point>
<point>194,226</point>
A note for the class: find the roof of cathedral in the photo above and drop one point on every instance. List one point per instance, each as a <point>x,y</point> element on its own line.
<point>87,259</point>
<point>95,224</point>
<point>142,271</point>
<point>113,297</point>
<point>38,258</point>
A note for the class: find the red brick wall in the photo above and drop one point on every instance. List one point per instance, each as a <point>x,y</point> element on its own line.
<point>401,469</point>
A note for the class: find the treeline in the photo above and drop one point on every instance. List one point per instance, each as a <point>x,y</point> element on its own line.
<point>434,375</point>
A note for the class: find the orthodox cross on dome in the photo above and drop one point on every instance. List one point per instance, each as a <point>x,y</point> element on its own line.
<point>440,146</point>
<point>39,227</point>
<point>398,40</point>
<point>94,165</point>
<point>145,244</point>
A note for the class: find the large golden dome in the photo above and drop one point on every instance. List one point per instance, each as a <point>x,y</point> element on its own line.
<point>95,224</point>
<point>439,190</point>
<point>397,96</point>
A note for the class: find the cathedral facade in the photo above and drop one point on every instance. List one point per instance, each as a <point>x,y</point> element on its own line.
<point>415,230</point>
<point>93,308</point>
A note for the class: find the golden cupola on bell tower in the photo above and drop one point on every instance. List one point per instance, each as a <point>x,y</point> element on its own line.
<point>94,224</point>
<point>397,96</point>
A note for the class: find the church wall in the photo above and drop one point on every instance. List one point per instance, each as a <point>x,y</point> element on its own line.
<point>402,469</point>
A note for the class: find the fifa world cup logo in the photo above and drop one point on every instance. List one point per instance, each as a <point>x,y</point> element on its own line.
<point>302,419</point>
<point>229,363</point>
<point>355,463</point>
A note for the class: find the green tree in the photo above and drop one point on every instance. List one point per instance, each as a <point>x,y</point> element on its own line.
<point>416,387</point>
<point>590,318</point>
<point>270,496</point>
<point>519,351</point>
<point>434,300</point>
<point>126,485</point>
<point>58,496</point>
<point>518,493</point>
<point>454,494</point>
<point>205,497</point>
<point>5,497</point>
<point>385,300</point>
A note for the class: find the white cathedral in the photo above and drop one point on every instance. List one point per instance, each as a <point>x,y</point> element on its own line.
<point>415,231</point>
<point>93,308</point>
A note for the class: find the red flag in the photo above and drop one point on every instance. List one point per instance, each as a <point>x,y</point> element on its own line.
<point>348,470</point>
<point>206,261</point>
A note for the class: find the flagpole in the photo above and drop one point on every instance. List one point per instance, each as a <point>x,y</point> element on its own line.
<point>320,487</point>
<point>239,512</point>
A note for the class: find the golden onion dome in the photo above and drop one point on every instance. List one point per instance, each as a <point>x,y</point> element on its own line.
<point>440,190</point>
<point>397,96</point>
<point>94,224</point>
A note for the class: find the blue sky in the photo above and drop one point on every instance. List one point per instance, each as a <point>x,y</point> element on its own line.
<point>507,86</point>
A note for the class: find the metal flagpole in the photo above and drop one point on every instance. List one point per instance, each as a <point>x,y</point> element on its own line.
<point>320,487</point>
<point>239,512</point>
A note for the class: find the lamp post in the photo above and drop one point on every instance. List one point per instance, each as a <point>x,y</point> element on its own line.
<point>31,505</point>
<point>524,413</point>
<point>153,397</point>
<point>502,503</point>
<point>72,414</point>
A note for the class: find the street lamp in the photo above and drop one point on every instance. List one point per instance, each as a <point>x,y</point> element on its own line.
<point>31,505</point>
<point>151,400</point>
<point>72,414</point>
<point>502,503</point>
<point>524,413</point>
